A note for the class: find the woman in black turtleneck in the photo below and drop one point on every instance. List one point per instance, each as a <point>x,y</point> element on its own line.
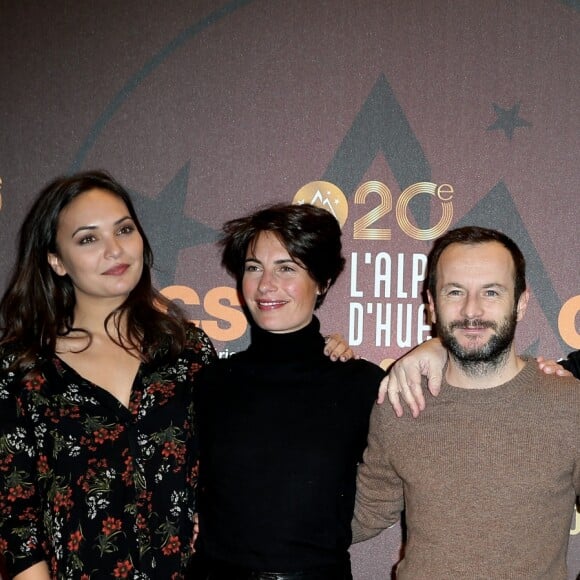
<point>281,427</point>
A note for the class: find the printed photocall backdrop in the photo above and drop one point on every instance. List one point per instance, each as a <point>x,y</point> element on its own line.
<point>404,119</point>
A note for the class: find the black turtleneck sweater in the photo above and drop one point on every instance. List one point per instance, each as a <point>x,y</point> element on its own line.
<point>282,429</point>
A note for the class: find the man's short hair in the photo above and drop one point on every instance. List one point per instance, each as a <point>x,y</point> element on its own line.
<point>472,235</point>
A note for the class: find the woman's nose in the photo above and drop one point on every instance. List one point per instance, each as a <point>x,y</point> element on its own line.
<point>267,282</point>
<point>113,248</point>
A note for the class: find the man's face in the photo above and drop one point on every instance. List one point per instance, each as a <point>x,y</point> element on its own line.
<point>474,309</point>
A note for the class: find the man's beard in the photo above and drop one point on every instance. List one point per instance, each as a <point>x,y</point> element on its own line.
<point>480,360</point>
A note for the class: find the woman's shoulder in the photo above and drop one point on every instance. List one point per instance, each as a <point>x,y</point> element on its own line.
<point>195,334</point>
<point>9,349</point>
<point>9,355</point>
<point>10,375</point>
<point>199,342</point>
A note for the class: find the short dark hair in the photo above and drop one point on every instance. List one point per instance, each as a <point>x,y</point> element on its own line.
<point>38,305</point>
<point>309,233</point>
<point>472,235</point>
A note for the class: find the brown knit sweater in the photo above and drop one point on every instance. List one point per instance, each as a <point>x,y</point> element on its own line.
<point>488,480</point>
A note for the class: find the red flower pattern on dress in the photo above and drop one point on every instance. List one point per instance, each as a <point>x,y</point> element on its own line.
<point>16,492</point>
<point>6,463</point>
<point>35,384</point>
<point>135,402</point>
<point>128,473</point>
<point>42,464</point>
<point>62,500</point>
<point>95,472</point>
<point>111,525</point>
<point>75,541</point>
<point>175,449</point>
<point>172,546</point>
<point>141,522</point>
<point>164,391</point>
<point>123,568</point>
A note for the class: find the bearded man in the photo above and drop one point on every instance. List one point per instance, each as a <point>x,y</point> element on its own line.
<point>488,474</point>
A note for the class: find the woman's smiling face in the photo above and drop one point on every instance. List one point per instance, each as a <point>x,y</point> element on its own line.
<point>278,291</point>
<point>98,246</point>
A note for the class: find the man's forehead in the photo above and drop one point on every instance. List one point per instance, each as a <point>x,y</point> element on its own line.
<point>470,260</point>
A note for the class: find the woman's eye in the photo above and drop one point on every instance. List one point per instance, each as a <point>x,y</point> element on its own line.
<point>128,229</point>
<point>250,268</point>
<point>86,240</point>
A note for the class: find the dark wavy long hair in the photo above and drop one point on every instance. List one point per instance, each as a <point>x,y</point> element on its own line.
<point>38,305</point>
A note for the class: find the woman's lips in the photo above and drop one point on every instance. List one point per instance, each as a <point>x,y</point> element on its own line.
<point>118,270</point>
<point>270,304</point>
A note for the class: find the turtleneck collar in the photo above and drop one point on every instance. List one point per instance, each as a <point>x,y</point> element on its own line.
<point>270,346</point>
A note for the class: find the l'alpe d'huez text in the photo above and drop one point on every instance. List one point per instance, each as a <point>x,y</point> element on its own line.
<point>395,312</point>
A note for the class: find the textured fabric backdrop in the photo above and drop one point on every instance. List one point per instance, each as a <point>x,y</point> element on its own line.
<point>403,118</point>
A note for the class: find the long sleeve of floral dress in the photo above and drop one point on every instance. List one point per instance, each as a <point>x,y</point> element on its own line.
<point>94,488</point>
<point>20,537</point>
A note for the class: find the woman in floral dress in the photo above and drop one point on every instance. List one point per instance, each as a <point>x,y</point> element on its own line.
<point>96,412</point>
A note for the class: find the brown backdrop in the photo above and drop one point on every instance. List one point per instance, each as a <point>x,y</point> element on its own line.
<point>454,112</point>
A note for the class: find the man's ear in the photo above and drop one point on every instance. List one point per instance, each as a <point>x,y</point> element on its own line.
<point>522,304</point>
<point>56,264</point>
<point>431,307</point>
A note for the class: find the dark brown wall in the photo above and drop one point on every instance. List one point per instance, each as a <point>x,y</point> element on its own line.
<point>209,109</point>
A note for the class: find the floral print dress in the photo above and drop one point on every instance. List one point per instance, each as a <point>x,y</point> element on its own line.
<point>94,488</point>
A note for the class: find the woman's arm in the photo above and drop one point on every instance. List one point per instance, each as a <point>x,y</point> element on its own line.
<point>20,523</point>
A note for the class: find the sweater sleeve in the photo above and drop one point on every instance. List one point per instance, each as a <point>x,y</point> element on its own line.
<point>379,490</point>
<point>20,521</point>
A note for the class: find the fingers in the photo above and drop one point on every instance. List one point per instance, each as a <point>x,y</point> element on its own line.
<point>394,400</point>
<point>434,378</point>
<point>383,390</point>
<point>337,348</point>
<point>408,378</point>
<point>413,397</point>
<point>548,367</point>
<point>551,367</point>
<point>396,385</point>
<point>348,354</point>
